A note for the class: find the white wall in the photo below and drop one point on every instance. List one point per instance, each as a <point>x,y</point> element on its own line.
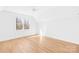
<point>8,26</point>
<point>60,22</point>
<point>67,30</point>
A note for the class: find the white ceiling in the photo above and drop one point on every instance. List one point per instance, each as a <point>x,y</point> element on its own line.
<point>45,12</point>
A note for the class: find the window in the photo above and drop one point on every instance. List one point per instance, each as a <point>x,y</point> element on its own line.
<point>22,23</point>
<point>26,24</point>
<point>19,25</point>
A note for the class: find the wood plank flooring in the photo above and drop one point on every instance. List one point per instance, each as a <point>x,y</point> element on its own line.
<point>37,44</point>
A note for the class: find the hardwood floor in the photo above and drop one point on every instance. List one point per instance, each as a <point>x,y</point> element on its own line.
<point>37,44</point>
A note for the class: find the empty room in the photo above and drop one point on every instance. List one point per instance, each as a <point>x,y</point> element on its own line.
<point>39,29</point>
